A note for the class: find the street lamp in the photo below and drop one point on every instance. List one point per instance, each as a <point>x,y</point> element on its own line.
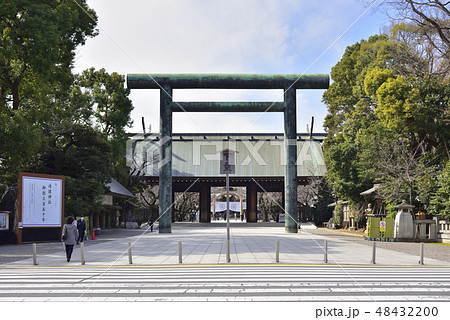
<point>228,166</point>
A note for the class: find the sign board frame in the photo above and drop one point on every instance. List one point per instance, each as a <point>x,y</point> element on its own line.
<point>30,200</point>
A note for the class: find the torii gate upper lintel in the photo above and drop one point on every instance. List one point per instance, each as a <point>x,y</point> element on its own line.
<point>288,82</point>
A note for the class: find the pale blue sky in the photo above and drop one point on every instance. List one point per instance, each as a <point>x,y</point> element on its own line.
<point>233,36</point>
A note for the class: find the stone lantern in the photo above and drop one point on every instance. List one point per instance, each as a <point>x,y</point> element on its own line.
<point>404,224</point>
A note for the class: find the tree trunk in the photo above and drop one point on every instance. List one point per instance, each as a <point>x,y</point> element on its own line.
<point>411,194</point>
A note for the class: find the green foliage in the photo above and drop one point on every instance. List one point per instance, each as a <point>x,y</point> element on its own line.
<point>343,171</point>
<point>83,156</point>
<point>386,124</point>
<point>37,46</point>
<point>83,194</point>
<point>108,98</point>
<point>324,198</point>
<point>396,101</point>
<point>350,104</point>
<point>390,208</point>
<point>338,214</point>
<point>20,141</point>
<point>55,122</point>
<point>348,75</point>
<point>440,201</point>
<point>375,78</point>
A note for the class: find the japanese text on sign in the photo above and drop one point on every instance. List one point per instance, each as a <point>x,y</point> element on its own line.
<point>41,202</point>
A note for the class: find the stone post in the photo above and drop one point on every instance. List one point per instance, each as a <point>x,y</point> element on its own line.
<point>435,228</point>
<point>117,223</point>
<point>241,212</point>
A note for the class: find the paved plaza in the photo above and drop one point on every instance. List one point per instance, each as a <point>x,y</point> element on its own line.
<point>205,244</point>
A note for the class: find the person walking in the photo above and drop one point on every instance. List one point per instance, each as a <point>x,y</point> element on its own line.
<point>69,235</point>
<point>150,223</point>
<point>81,227</point>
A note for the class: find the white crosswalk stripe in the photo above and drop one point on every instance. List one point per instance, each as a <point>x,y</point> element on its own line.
<point>226,283</point>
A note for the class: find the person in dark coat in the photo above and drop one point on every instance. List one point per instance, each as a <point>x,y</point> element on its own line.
<point>150,223</point>
<point>70,234</point>
<point>81,227</point>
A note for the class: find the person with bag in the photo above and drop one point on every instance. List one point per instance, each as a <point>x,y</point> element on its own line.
<point>69,236</point>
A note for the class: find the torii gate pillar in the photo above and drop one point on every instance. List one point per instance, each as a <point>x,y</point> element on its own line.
<point>290,149</point>
<point>165,161</point>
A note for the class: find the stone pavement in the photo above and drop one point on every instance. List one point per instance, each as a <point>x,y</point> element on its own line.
<point>205,244</point>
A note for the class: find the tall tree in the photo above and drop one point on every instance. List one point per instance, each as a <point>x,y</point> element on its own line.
<point>83,144</point>
<point>108,97</point>
<point>347,90</point>
<point>83,156</point>
<point>384,106</point>
<point>37,45</point>
<point>53,121</point>
<point>424,26</point>
<point>429,15</point>
<point>38,39</point>
<point>440,201</point>
<point>350,111</point>
<point>109,110</point>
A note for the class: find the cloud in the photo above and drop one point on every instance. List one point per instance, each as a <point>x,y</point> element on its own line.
<point>216,36</point>
<point>188,36</point>
<point>218,123</point>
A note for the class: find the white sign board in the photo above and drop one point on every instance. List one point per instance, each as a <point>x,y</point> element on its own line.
<point>41,202</point>
<point>4,220</point>
<point>234,206</point>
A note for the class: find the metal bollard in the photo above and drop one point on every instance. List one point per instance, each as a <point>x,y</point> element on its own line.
<point>34,255</point>
<point>277,251</point>
<point>421,253</point>
<point>82,253</point>
<point>180,254</point>
<point>130,258</point>
<point>374,252</point>
<point>325,253</point>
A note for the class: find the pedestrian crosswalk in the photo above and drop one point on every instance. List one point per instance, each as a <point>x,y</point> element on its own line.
<point>225,283</point>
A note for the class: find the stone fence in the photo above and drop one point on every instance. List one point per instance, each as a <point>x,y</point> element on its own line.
<point>443,231</point>
<point>426,229</point>
<point>435,229</point>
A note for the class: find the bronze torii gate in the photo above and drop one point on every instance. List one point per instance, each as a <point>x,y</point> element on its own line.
<point>167,82</point>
